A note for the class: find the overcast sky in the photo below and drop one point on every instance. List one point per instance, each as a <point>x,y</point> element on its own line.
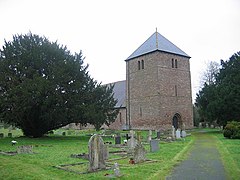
<point>108,31</point>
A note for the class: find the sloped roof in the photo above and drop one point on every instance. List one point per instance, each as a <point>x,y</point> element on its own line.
<point>157,42</point>
<point>119,93</point>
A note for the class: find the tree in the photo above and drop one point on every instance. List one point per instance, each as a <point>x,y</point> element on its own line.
<point>209,76</point>
<point>220,101</point>
<point>44,87</point>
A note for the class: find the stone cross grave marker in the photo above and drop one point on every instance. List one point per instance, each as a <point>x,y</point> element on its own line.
<point>139,153</point>
<point>96,152</point>
<point>132,141</point>
<point>154,145</point>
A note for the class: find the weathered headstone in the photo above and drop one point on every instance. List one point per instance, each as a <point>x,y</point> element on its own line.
<point>132,141</point>
<point>158,134</point>
<point>184,134</point>
<point>200,125</point>
<point>96,153</point>
<point>139,154</point>
<point>105,152</point>
<point>154,145</point>
<point>118,140</point>
<point>173,133</point>
<point>207,126</point>
<point>149,135</point>
<point>1,135</point>
<point>25,149</point>
<point>139,136</point>
<point>178,134</point>
<point>116,170</point>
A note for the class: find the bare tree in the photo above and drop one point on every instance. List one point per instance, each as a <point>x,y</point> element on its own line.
<point>209,75</point>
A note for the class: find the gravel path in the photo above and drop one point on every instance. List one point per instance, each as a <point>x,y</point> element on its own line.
<point>203,162</point>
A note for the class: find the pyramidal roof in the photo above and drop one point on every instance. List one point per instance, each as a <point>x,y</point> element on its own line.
<point>157,42</point>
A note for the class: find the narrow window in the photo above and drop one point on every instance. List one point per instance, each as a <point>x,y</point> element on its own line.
<point>142,64</point>
<point>172,63</point>
<point>139,65</point>
<point>140,112</point>
<point>176,90</point>
<point>176,65</point>
<point>120,117</point>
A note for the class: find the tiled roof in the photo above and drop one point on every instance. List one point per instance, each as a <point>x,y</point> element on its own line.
<point>157,42</point>
<point>120,93</point>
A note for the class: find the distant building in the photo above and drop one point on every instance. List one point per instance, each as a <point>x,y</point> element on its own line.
<point>157,90</point>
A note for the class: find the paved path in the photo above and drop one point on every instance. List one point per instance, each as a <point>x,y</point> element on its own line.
<point>203,163</point>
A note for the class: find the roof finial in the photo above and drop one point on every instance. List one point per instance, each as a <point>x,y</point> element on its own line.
<point>156,38</point>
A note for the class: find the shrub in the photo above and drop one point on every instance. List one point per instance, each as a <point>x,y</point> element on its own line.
<point>232,130</point>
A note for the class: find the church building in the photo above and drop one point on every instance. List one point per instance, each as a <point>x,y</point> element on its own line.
<point>157,91</point>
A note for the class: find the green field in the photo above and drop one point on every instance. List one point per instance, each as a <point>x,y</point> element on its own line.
<point>55,150</point>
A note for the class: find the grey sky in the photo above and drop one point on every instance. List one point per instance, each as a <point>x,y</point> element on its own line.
<point>108,31</point>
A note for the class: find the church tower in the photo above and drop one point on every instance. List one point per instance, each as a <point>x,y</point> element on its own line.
<point>158,86</point>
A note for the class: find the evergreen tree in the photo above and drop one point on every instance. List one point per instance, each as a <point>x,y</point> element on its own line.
<point>44,87</point>
<point>220,101</point>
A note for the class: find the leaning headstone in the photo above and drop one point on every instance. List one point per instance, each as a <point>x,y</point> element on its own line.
<point>173,133</point>
<point>154,145</point>
<point>1,135</point>
<point>118,139</point>
<point>96,153</point>
<point>25,149</point>
<point>184,134</point>
<point>178,134</point>
<point>139,154</point>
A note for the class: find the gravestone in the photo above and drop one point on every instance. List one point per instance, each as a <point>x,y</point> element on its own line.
<point>178,134</point>
<point>207,126</point>
<point>139,137</point>
<point>139,154</point>
<point>158,134</point>
<point>118,139</point>
<point>132,142</point>
<point>96,152</point>
<point>200,125</point>
<point>154,145</point>
<point>105,152</point>
<point>25,149</point>
<point>149,135</point>
<point>1,135</point>
<point>173,133</point>
<point>116,170</point>
<point>184,134</point>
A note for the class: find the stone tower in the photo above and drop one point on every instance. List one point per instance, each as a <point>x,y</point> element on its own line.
<point>158,86</point>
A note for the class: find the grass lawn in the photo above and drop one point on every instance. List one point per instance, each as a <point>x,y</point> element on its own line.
<point>230,154</point>
<point>55,150</point>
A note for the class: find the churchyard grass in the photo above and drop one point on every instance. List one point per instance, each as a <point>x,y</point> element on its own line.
<point>54,150</point>
<point>230,154</point>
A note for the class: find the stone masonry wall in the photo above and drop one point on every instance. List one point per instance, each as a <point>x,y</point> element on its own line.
<point>158,91</point>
